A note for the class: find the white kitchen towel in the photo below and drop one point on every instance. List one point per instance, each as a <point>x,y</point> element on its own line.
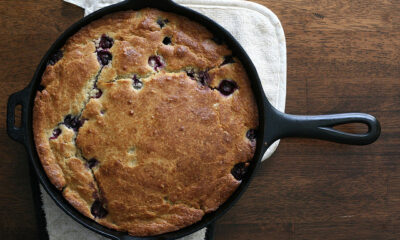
<point>259,32</point>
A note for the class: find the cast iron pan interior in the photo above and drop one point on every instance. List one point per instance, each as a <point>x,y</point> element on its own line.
<point>273,124</point>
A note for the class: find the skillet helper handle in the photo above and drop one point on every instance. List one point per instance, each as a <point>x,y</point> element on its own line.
<point>18,98</point>
<point>321,127</point>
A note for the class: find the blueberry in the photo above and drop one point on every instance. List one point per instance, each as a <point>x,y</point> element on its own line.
<point>227,87</point>
<point>68,119</point>
<point>190,73</point>
<point>104,56</point>
<point>56,133</point>
<point>156,62</point>
<point>98,93</point>
<point>167,40</point>
<point>239,170</point>
<point>97,209</point>
<point>228,59</point>
<point>137,84</point>
<point>73,122</point>
<point>204,78</point>
<point>162,22</point>
<point>106,42</point>
<point>251,134</point>
<point>200,76</point>
<point>92,163</point>
<point>55,57</point>
<point>41,88</point>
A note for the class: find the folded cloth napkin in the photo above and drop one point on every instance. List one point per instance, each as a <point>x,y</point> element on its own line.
<point>259,32</point>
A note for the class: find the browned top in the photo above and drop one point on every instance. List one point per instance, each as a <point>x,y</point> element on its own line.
<point>158,138</point>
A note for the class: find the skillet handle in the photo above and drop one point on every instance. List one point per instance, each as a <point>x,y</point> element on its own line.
<point>18,98</point>
<point>321,127</point>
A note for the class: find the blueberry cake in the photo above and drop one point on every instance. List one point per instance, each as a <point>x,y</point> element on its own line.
<point>145,121</point>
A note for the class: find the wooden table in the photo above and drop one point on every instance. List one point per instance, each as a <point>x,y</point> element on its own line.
<point>343,56</point>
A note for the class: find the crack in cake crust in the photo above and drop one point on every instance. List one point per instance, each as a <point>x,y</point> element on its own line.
<point>137,113</point>
<point>97,196</point>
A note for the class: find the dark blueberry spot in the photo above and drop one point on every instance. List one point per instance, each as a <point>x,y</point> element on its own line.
<point>73,122</point>
<point>98,93</point>
<point>55,57</point>
<point>204,78</point>
<point>239,170</point>
<point>228,59</point>
<point>97,209</point>
<point>167,40</point>
<point>190,73</point>
<point>217,40</point>
<point>68,120</point>
<point>40,88</point>
<point>200,76</point>
<point>106,42</point>
<point>156,62</point>
<point>227,87</point>
<point>104,56</point>
<point>251,134</point>
<point>162,22</point>
<point>56,133</point>
<point>137,84</point>
<point>94,194</point>
<point>92,163</point>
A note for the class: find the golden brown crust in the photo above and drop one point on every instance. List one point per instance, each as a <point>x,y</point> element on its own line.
<point>153,157</point>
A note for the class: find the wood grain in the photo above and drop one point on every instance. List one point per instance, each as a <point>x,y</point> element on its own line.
<point>343,56</point>
<point>28,29</point>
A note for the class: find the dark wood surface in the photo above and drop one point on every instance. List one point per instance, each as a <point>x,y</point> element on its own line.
<point>343,56</point>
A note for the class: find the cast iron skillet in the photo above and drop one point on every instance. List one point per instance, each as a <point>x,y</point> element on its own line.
<point>273,124</point>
